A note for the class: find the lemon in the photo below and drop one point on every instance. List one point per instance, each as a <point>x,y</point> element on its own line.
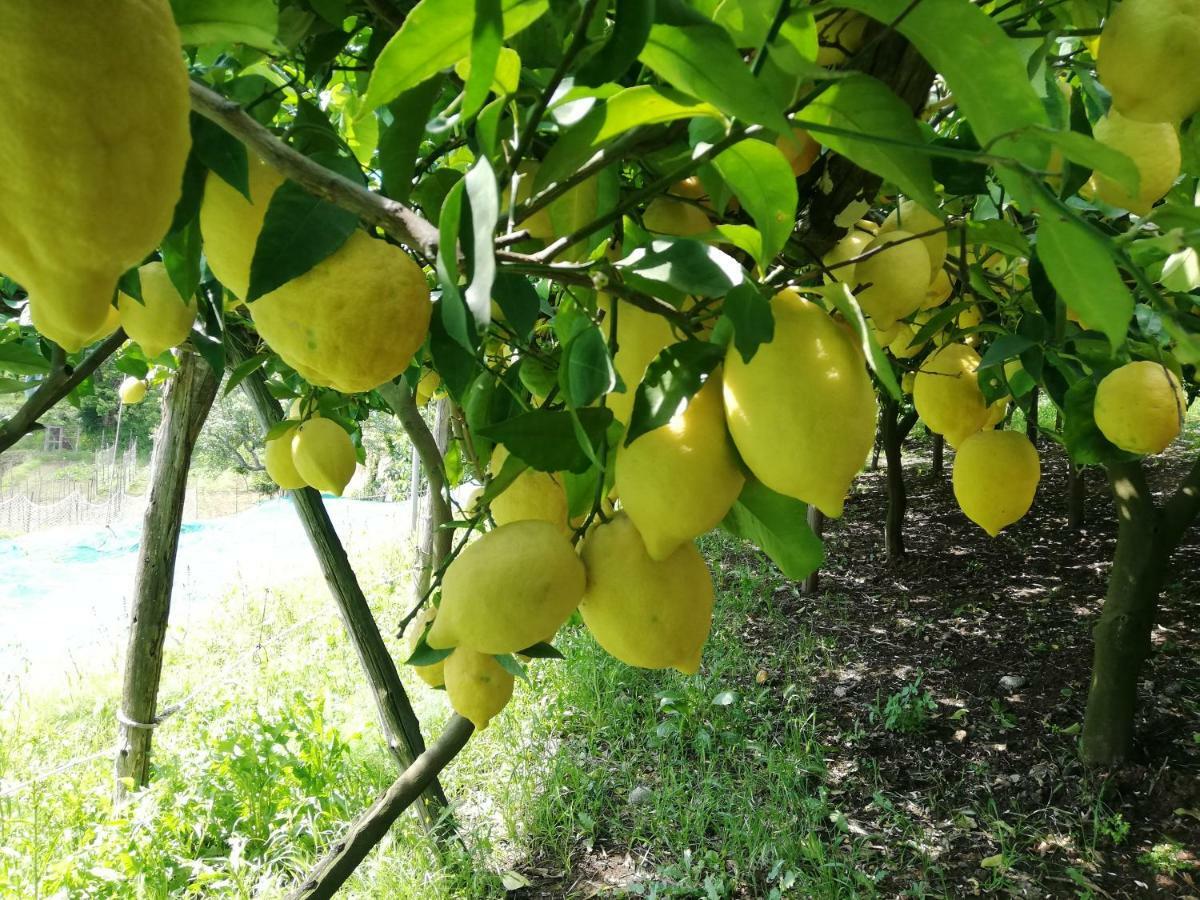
<point>947,396</point>
<point>477,685</point>
<point>1140,407</point>
<point>427,386</point>
<point>1154,149</point>
<point>279,464</point>
<point>907,380</point>
<point>433,674</point>
<point>802,411</point>
<point>509,589</point>
<point>131,391</point>
<point>840,37</point>
<point>678,481</point>
<point>230,224</point>
<point>162,319</point>
<point>885,336</point>
<point>799,149</point>
<point>939,290</point>
<point>112,321</point>
<point>915,219</point>
<point>996,474</point>
<point>646,613</point>
<point>324,455</point>
<point>970,317</point>
<point>996,413</point>
<point>1147,59</point>
<point>351,322</point>
<point>532,495</point>
<point>641,336</point>
<point>897,277</point>
<point>902,346</point>
<point>850,247</point>
<point>675,217</point>
<point>94,101</point>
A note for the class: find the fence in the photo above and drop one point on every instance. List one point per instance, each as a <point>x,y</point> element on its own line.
<point>39,502</point>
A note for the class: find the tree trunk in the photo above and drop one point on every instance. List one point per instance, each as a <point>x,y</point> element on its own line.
<point>189,396</point>
<point>878,445</point>
<point>1122,636</point>
<point>401,729</point>
<point>816,521</point>
<point>892,433</point>
<point>1031,420</point>
<point>1076,497</point>
<point>939,454</point>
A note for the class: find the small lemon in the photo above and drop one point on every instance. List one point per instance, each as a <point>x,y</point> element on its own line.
<point>131,391</point>
<point>897,277</point>
<point>279,464</point>
<point>1140,407</point>
<point>324,455</point>
<point>433,674</point>
<point>532,495</point>
<point>799,149</point>
<point>162,319</point>
<point>939,290</point>
<point>477,685</point>
<point>675,217</point>
<point>1155,151</point>
<point>996,475</point>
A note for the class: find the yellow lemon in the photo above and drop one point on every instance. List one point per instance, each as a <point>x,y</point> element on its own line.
<point>351,322</point>
<point>906,382</point>
<point>641,336</point>
<point>277,459</point>
<point>947,396</point>
<point>799,149</point>
<point>916,219</point>
<point>902,346</point>
<point>162,319</point>
<point>939,290</point>
<point>1154,149</point>
<point>532,495</point>
<point>1147,59</point>
<point>996,413</point>
<point>509,589</point>
<point>840,36</point>
<point>94,101</point>
<point>131,391</point>
<point>112,321</point>
<point>230,224</point>
<point>802,411</point>
<point>678,481</point>
<point>896,277</point>
<point>477,685</point>
<point>675,217</point>
<point>324,455</point>
<point>1140,407</point>
<point>885,336</point>
<point>850,247</point>
<point>433,674</point>
<point>996,475</point>
<point>646,613</point>
<point>427,386</point>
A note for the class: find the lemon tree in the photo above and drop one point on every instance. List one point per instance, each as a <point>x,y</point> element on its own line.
<point>679,249</point>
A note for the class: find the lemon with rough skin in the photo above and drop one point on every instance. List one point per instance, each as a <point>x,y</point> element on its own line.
<point>351,322</point>
<point>947,396</point>
<point>433,674</point>
<point>131,391</point>
<point>996,475</point>
<point>112,321</point>
<point>897,277</point>
<point>837,260</point>
<point>641,336</point>
<point>324,455</point>
<point>679,480</point>
<point>230,224</point>
<point>277,458</point>
<point>162,319</point>
<point>1155,151</point>
<point>477,685</point>
<point>1140,407</point>
<point>646,613</point>
<point>532,495</point>
<point>509,589</point>
<point>916,219</point>
<point>1147,59</point>
<point>802,411</point>
<point>94,101</point>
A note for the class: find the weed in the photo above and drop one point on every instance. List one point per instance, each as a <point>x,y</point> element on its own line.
<point>907,711</point>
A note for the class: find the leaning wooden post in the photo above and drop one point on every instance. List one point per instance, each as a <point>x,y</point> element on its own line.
<point>401,729</point>
<point>189,396</point>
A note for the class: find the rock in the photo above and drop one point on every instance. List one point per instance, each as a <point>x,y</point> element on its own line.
<point>1013,683</point>
<point>639,795</point>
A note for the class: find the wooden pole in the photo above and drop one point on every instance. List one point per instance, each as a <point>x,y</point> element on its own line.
<point>189,396</point>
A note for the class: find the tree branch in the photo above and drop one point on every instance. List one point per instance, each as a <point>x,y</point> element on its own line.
<point>1181,509</point>
<point>56,385</point>
<point>369,829</point>
<point>399,221</point>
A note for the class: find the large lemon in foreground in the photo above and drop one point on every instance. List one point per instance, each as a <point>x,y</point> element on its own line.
<point>230,223</point>
<point>996,474</point>
<point>802,411</point>
<point>1140,407</point>
<point>1147,59</point>
<point>94,102</point>
<point>647,613</point>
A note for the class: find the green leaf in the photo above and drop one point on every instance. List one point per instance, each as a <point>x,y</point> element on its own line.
<point>999,235</point>
<point>454,360</point>
<point>15,386</point>
<point>981,64</point>
<point>519,301</point>
<point>480,187</point>
<point>674,376</point>
<point>587,372</point>
<point>688,266</point>
<point>222,153</point>
<point>1091,154</point>
<point>631,108</point>
<point>486,36</point>
<point>760,177</point>
<point>181,258</point>
<point>400,142</point>
<point>22,359</point>
<point>1080,265</point>
<point>455,312</point>
<point>1004,348</point>
<point>434,36</point>
<point>509,664</point>
<point>243,369</point>
<point>251,22</point>
<point>750,314</point>
<point>546,438</point>
<point>843,301</point>
<point>778,525</point>
<point>424,655</point>
<point>631,26</point>
<point>299,231</point>
<point>1084,441</point>
<point>860,118</point>
<point>702,60</point>
<point>541,650</point>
